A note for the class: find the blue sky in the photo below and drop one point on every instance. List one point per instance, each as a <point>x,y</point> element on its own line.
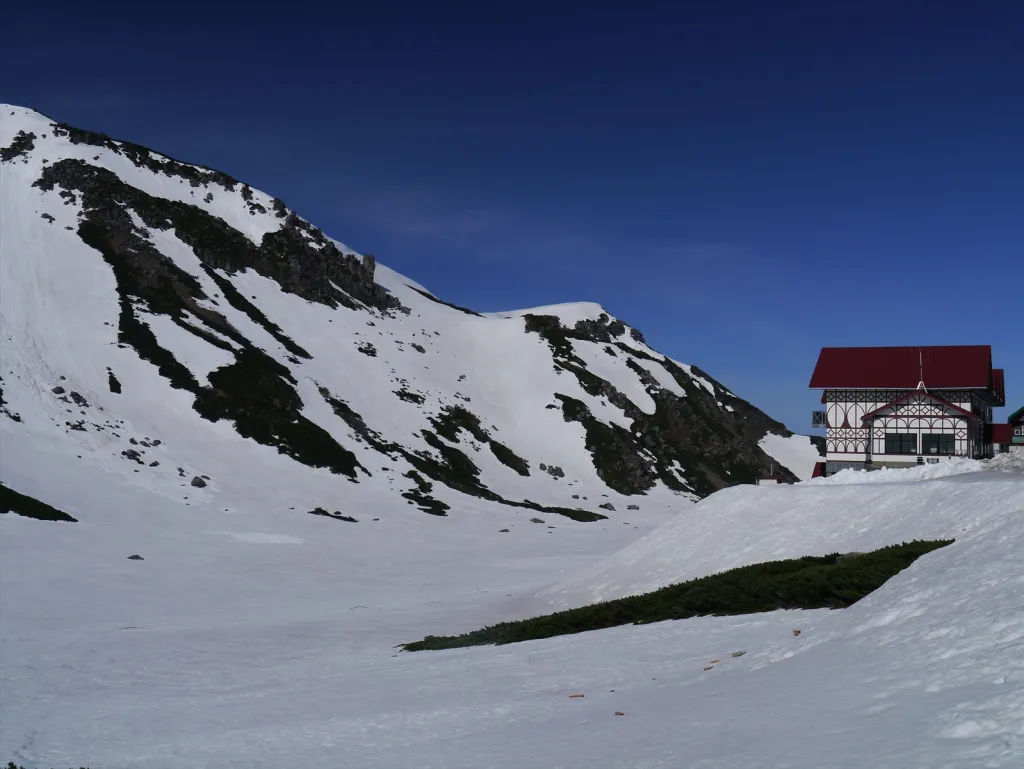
<point>744,183</point>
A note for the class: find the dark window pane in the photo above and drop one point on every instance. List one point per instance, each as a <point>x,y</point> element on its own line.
<point>939,444</point>
<point>900,443</point>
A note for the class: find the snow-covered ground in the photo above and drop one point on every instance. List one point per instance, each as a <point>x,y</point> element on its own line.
<point>250,638</point>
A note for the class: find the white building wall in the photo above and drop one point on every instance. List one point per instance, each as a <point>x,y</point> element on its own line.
<point>937,424</point>
<point>847,439</point>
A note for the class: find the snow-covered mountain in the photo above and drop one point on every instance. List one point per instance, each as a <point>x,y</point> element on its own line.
<point>170,319</point>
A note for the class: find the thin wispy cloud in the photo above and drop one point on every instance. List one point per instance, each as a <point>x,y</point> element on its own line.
<point>417,216</point>
<point>694,254</point>
<point>698,281</point>
<point>94,102</point>
<point>433,218</point>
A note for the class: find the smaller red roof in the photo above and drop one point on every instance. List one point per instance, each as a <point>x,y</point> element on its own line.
<point>1002,434</point>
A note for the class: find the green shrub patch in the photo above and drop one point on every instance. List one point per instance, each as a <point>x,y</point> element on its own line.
<point>812,582</point>
<point>13,502</point>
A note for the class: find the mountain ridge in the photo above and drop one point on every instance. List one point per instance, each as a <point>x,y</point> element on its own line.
<point>259,320</point>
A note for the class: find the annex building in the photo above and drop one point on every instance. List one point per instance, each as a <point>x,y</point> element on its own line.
<point>1010,436</point>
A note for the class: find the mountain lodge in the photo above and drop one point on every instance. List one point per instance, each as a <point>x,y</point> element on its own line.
<point>901,406</point>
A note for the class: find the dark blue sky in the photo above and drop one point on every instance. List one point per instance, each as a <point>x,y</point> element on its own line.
<point>744,181</point>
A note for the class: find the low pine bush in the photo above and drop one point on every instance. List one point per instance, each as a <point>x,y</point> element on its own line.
<point>811,582</point>
<point>30,507</point>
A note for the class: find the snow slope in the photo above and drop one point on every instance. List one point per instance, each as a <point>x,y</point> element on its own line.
<point>247,640</point>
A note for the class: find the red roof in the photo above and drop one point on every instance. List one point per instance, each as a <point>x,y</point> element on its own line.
<point>967,367</point>
<point>999,386</point>
<point>1002,433</point>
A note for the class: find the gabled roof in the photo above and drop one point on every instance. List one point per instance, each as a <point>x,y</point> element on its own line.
<point>921,393</point>
<point>966,367</point>
<point>1015,416</point>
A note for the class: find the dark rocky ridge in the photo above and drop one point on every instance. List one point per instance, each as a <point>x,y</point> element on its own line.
<point>143,157</point>
<point>450,467</point>
<point>298,256</point>
<point>715,447</point>
<point>604,329</point>
<point>4,408</point>
<point>256,392</point>
<point>21,145</point>
<point>454,419</point>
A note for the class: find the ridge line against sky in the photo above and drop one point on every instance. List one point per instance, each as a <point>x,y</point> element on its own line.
<point>745,184</point>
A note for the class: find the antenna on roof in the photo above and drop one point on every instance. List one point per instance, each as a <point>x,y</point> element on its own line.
<point>920,361</point>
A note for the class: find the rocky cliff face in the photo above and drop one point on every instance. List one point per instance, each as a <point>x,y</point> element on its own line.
<point>699,438</point>
<point>183,285</point>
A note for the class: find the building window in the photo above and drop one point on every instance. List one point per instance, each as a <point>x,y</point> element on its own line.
<point>900,443</point>
<point>938,444</point>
